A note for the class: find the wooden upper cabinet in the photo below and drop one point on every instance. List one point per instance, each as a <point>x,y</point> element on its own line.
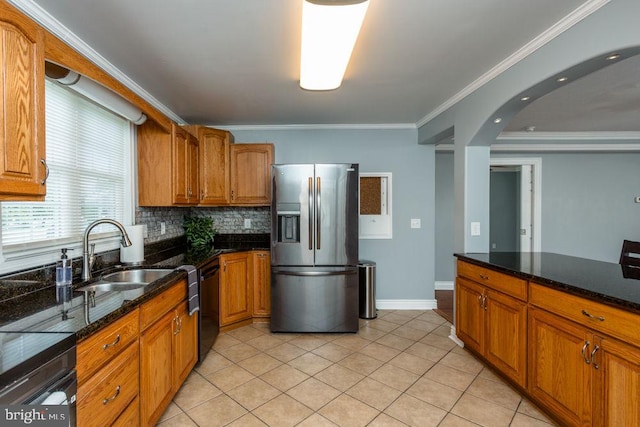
<point>22,138</point>
<point>250,174</point>
<point>167,166</point>
<point>185,168</point>
<point>215,185</point>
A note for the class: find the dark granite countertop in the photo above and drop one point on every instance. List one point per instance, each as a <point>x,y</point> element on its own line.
<point>599,281</point>
<point>30,304</point>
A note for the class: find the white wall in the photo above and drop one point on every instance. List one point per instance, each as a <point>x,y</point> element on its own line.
<point>405,264</point>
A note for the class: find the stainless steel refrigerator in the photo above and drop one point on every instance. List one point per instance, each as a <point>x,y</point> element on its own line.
<point>314,248</point>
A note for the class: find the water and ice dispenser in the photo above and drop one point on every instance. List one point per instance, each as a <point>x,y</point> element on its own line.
<point>288,222</point>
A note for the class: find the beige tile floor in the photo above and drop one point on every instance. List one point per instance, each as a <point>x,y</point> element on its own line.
<point>399,369</point>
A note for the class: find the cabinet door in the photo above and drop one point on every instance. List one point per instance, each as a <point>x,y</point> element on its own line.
<point>559,377</point>
<point>261,284</point>
<point>186,344</point>
<point>506,335</point>
<point>193,184</point>
<point>470,314</point>
<point>156,369</point>
<point>22,140</point>
<point>180,153</point>
<point>250,174</point>
<point>215,184</point>
<point>616,369</point>
<point>236,288</point>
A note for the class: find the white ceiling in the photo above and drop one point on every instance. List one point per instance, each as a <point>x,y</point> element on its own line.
<point>226,63</point>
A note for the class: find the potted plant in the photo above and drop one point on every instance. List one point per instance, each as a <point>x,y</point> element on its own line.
<point>199,231</point>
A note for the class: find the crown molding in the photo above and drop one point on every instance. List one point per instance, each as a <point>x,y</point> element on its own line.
<point>554,148</point>
<point>374,126</point>
<point>548,35</point>
<point>51,24</point>
<point>569,136</point>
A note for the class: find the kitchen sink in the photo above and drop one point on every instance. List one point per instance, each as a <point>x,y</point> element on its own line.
<point>103,286</point>
<point>138,276</point>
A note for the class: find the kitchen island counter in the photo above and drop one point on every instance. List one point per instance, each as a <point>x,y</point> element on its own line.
<point>603,282</point>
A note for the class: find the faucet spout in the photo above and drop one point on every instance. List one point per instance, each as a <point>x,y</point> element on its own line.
<point>88,258</point>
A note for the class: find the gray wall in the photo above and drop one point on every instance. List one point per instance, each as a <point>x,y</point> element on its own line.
<point>587,205</point>
<point>504,212</point>
<point>405,264</point>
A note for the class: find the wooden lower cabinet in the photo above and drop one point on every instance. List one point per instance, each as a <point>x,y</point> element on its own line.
<point>559,378</point>
<point>107,394</point>
<point>236,288</point>
<point>583,377</point>
<point>261,283</point>
<point>494,325</point>
<point>168,352</point>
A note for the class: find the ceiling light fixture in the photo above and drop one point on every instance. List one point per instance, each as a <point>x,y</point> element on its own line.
<point>613,57</point>
<point>329,33</point>
<point>525,98</point>
<point>562,79</point>
<point>497,120</point>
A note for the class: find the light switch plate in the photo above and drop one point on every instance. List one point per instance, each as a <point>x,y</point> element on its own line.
<point>475,228</point>
<point>163,228</point>
<point>415,223</point>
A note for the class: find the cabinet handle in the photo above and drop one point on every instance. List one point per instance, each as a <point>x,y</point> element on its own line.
<point>483,277</point>
<point>231,194</point>
<point>484,302</point>
<point>46,168</point>
<point>584,352</point>
<point>109,399</point>
<point>591,316</point>
<point>480,300</point>
<point>116,341</point>
<point>593,354</point>
<point>176,330</point>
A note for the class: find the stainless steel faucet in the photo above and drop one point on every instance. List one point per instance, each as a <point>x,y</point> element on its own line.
<point>88,257</point>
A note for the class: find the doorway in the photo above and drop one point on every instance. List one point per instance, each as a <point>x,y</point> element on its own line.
<point>515,205</point>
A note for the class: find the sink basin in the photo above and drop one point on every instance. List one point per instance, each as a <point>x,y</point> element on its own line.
<point>137,276</point>
<point>112,286</point>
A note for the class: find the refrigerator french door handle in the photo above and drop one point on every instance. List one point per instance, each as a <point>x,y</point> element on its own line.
<point>316,273</point>
<point>311,213</point>
<point>318,210</point>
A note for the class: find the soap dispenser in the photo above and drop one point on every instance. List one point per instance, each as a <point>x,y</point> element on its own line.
<point>64,279</point>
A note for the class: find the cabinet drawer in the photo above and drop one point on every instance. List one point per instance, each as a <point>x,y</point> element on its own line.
<point>130,417</point>
<point>105,396</point>
<point>598,317</point>
<point>504,283</point>
<point>103,346</point>
<point>157,307</point>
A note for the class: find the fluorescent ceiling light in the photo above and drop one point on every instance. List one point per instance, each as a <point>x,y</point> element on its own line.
<point>329,32</point>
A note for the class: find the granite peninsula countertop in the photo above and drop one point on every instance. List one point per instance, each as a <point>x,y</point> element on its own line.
<point>599,281</point>
<point>29,304</point>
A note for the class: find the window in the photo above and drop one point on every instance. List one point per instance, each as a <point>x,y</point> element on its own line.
<point>89,158</point>
<point>375,206</point>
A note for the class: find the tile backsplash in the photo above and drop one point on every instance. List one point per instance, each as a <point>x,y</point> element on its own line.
<point>227,220</point>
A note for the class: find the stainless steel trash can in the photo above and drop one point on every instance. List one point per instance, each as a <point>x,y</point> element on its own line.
<point>367,277</point>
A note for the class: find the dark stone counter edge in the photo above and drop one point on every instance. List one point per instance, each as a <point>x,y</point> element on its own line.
<point>571,289</point>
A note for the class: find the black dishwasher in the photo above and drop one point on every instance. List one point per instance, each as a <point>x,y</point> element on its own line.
<point>209,321</point>
<point>38,368</point>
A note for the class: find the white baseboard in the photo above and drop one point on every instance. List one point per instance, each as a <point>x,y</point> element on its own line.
<point>443,286</point>
<point>453,337</point>
<point>406,304</point>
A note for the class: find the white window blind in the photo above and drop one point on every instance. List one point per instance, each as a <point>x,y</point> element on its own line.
<point>88,153</point>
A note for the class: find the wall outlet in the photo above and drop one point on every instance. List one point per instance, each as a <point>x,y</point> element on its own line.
<point>145,231</point>
<point>247,223</point>
<point>163,228</point>
<point>475,228</point>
